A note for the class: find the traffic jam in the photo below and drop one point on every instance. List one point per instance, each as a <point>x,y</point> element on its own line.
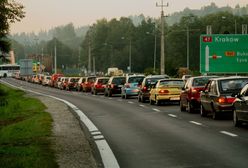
<point>210,96</point>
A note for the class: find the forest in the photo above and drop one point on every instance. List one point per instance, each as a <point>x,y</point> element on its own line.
<point>109,42</point>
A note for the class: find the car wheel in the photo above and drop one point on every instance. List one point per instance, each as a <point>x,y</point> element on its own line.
<point>158,103</point>
<point>189,107</point>
<point>182,108</point>
<point>126,96</point>
<point>202,111</point>
<point>236,121</point>
<point>151,102</point>
<point>109,93</point>
<point>95,92</point>
<point>215,115</point>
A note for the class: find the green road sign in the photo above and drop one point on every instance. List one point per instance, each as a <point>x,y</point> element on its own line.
<point>222,53</point>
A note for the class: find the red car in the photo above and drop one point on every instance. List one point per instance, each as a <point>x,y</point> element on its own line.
<point>190,94</point>
<point>99,85</point>
<point>54,78</point>
<point>71,84</point>
<point>89,81</point>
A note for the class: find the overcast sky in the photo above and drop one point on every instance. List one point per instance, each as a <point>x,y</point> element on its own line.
<point>46,14</point>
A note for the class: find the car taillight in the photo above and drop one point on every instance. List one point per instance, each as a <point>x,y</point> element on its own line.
<point>144,89</point>
<point>163,91</point>
<point>222,100</point>
<point>127,85</point>
<point>112,85</point>
<point>194,91</point>
<point>98,85</point>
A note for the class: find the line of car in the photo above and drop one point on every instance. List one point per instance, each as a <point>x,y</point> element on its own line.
<point>208,95</point>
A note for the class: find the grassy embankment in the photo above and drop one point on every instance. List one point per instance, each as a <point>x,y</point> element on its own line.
<point>25,128</point>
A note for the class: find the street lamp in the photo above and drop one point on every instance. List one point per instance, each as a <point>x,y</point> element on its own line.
<point>130,54</point>
<point>155,50</point>
<point>112,52</point>
<point>235,24</point>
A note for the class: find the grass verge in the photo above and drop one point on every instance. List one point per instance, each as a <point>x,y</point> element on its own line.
<point>25,129</point>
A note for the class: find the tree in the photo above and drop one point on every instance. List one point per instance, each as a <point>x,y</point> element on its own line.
<point>10,12</point>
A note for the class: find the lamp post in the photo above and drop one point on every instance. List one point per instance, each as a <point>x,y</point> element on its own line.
<point>130,54</point>
<point>235,24</point>
<point>112,52</point>
<point>55,57</point>
<point>155,49</point>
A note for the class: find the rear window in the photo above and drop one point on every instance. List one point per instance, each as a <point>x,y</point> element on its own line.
<point>179,83</point>
<point>74,79</point>
<point>118,81</point>
<point>137,79</point>
<point>103,81</point>
<point>232,85</point>
<point>91,79</point>
<point>150,81</point>
<point>201,81</point>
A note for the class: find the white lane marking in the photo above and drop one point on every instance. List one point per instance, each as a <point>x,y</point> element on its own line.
<point>119,100</point>
<point>172,115</point>
<point>107,155</point>
<point>130,102</point>
<point>97,137</point>
<point>110,98</point>
<point>196,123</point>
<point>157,110</point>
<point>141,105</point>
<point>96,133</point>
<point>228,133</point>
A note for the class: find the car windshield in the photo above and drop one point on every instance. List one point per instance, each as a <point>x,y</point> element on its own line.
<point>137,79</point>
<point>167,83</point>
<point>201,81</point>
<point>232,85</point>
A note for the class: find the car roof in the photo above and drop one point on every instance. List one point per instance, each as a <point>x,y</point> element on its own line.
<point>231,77</point>
<point>157,76</point>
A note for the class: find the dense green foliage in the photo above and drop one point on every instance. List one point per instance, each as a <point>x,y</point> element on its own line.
<point>10,12</point>
<point>109,40</point>
<point>24,131</point>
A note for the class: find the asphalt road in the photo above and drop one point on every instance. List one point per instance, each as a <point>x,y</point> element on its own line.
<point>146,136</point>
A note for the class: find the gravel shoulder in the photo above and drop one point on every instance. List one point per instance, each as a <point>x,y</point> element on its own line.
<point>72,149</point>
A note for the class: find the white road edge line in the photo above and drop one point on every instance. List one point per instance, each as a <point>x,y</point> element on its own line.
<point>157,110</point>
<point>228,133</point>
<point>106,153</point>
<point>196,123</point>
<point>172,115</point>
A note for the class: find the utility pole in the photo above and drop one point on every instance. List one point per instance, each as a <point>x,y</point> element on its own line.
<point>162,59</point>
<point>130,56</point>
<point>89,61</point>
<point>79,52</point>
<point>55,57</point>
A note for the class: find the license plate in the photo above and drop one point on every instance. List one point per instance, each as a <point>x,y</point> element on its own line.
<point>175,98</point>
